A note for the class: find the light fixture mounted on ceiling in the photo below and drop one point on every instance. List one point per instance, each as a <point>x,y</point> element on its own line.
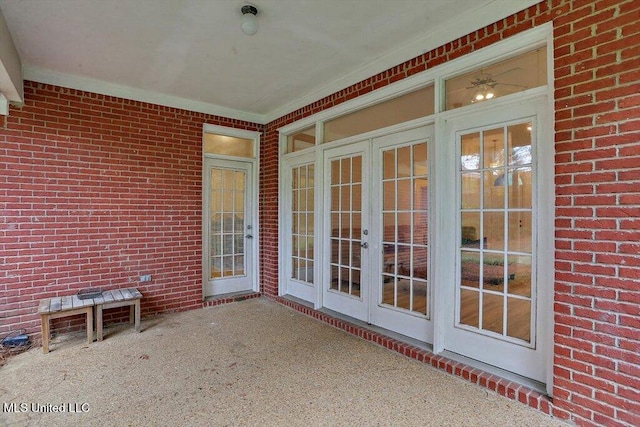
<point>249,20</point>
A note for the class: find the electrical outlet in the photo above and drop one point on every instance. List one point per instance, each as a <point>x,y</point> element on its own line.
<point>145,278</point>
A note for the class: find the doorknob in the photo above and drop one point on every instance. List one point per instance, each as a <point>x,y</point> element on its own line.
<point>249,236</point>
<point>365,245</point>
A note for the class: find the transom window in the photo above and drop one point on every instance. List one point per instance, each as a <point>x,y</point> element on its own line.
<point>300,140</point>
<point>513,75</point>
<point>224,145</point>
<point>413,105</point>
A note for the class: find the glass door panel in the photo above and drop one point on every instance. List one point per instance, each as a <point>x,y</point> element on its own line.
<point>405,236</point>
<point>302,224</point>
<point>495,287</point>
<point>227,210</point>
<point>299,271</point>
<point>346,223</point>
<point>503,239</point>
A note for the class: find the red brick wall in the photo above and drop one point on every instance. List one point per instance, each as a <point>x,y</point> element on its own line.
<point>597,289</point>
<point>95,191</point>
<point>597,292</point>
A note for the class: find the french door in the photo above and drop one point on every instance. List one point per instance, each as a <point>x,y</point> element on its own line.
<point>346,230</point>
<point>402,287</point>
<point>376,236</point>
<point>499,287</point>
<point>229,252</point>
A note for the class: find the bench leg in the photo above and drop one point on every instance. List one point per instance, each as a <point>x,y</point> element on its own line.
<point>45,333</point>
<point>137,315</point>
<point>99,321</point>
<point>89,325</point>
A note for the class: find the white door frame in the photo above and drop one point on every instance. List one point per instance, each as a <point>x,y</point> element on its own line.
<point>252,194</point>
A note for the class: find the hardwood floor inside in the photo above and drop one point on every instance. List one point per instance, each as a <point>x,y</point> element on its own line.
<point>518,324</point>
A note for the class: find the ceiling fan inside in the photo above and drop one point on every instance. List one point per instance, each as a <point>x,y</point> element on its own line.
<point>484,85</point>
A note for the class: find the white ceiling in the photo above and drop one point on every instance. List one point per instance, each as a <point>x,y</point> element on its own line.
<point>192,53</point>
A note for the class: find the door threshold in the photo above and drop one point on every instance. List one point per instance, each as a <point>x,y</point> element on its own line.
<point>229,298</point>
<point>494,370</point>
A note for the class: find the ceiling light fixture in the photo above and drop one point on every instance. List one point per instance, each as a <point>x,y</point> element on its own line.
<point>249,20</point>
<point>484,93</point>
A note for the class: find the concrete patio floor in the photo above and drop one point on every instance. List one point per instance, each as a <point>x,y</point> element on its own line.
<point>248,363</point>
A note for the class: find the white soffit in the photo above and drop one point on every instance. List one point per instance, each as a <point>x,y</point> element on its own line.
<point>10,69</point>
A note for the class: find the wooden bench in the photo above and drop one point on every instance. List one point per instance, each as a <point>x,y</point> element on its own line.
<point>53,308</point>
<point>118,298</point>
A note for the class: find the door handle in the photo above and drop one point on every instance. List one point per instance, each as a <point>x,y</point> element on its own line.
<point>365,245</point>
<point>249,236</point>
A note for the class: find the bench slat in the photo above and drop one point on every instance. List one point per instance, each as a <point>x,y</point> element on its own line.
<point>126,294</point>
<point>56,304</point>
<point>135,293</point>
<point>77,302</point>
<point>67,303</point>
<point>44,306</point>
<point>117,295</point>
<point>107,296</point>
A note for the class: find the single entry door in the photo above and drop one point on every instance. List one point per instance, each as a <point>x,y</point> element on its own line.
<point>229,227</point>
